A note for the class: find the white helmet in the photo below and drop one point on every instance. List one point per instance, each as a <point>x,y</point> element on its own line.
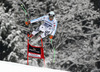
<point>51,13</point>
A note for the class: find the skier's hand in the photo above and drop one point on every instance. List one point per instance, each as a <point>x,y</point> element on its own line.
<point>51,36</point>
<point>27,23</point>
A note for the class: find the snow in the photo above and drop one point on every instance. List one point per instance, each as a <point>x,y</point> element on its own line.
<point>14,67</point>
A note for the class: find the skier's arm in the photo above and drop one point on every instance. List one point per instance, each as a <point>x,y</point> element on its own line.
<point>53,33</point>
<point>35,20</point>
<point>38,19</point>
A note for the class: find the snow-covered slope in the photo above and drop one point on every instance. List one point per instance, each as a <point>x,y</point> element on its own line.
<point>14,67</point>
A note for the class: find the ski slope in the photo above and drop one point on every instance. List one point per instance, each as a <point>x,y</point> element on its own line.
<point>14,67</point>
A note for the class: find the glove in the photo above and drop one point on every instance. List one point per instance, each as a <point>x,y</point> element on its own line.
<point>27,23</point>
<point>51,36</point>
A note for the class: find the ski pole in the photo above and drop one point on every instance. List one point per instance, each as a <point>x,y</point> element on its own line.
<point>53,52</point>
<point>24,11</point>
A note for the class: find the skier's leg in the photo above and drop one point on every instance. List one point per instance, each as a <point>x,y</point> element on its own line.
<point>34,32</point>
<point>39,38</point>
<point>44,34</point>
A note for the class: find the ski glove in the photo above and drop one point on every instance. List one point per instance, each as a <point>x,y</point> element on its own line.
<point>51,36</point>
<point>27,23</point>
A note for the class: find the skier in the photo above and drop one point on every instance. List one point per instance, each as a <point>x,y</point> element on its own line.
<point>48,27</point>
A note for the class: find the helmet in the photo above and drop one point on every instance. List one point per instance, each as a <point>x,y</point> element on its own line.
<point>51,13</point>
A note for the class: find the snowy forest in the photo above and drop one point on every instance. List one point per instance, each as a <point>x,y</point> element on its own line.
<point>77,39</point>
